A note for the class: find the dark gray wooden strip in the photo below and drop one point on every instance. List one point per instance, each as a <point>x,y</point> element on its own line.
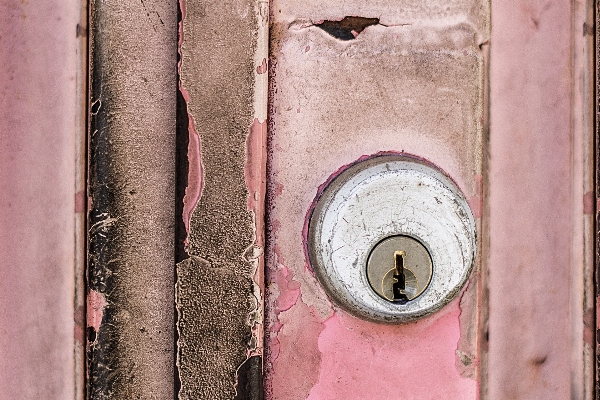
<point>130,307</point>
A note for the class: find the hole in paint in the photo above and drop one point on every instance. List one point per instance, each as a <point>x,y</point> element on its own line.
<point>91,334</point>
<point>348,28</point>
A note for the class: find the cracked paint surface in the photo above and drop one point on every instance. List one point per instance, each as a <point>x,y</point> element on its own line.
<point>411,83</point>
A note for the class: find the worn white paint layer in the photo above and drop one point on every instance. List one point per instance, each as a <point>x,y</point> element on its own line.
<point>379,198</point>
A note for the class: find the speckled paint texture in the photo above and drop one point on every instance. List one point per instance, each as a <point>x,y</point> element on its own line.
<point>130,277</point>
<point>414,83</point>
<point>219,284</point>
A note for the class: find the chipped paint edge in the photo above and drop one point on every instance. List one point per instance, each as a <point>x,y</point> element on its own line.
<point>255,174</point>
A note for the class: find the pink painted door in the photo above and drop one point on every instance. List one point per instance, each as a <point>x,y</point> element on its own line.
<point>398,81</point>
<point>513,132</point>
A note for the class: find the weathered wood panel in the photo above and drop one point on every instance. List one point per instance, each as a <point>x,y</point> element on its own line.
<point>130,303</point>
<point>38,111</point>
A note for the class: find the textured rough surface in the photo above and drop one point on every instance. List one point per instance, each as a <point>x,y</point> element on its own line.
<point>411,83</point>
<point>38,109</point>
<point>219,300</point>
<point>540,232</point>
<point>132,193</point>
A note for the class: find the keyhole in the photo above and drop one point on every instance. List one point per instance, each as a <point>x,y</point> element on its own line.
<point>399,276</point>
<point>399,286</point>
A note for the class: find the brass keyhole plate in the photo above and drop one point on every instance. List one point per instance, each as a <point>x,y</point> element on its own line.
<point>418,267</point>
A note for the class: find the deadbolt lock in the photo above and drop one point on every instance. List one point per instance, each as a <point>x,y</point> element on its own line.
<point>391,238</point>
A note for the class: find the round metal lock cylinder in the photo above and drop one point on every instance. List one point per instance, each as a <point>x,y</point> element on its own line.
<point>391,238</point>
<point>399,275</point>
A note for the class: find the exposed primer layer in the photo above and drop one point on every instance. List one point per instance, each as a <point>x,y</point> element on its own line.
<point>219,287</point>
<point>131,186</point>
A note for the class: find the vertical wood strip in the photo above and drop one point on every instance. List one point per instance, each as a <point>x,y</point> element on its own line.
<point>223,76</point>
<point>38,65</point>
<point>130,313</point>
<point>540,231</point>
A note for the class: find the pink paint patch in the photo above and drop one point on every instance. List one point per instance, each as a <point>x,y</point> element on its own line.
<point>588,203</point>
<point>80,201</point>
<point>261,69</point>
<point>95,309</point>
<point>420,356</point>
<point>278,188</point>
<point>289,290</point>
<point>298,360</point>
<point>193,191</point>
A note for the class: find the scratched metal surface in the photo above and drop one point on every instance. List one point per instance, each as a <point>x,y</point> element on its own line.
<point>411,83</point>
<point>377,198</point>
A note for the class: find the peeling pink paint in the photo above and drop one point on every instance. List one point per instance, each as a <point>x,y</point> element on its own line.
<point>255,176</point>
<point>95,309</point>
<point>362,360</point>
<point>298,327</point>
<point>195,183</point>
<point>261,69</point>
